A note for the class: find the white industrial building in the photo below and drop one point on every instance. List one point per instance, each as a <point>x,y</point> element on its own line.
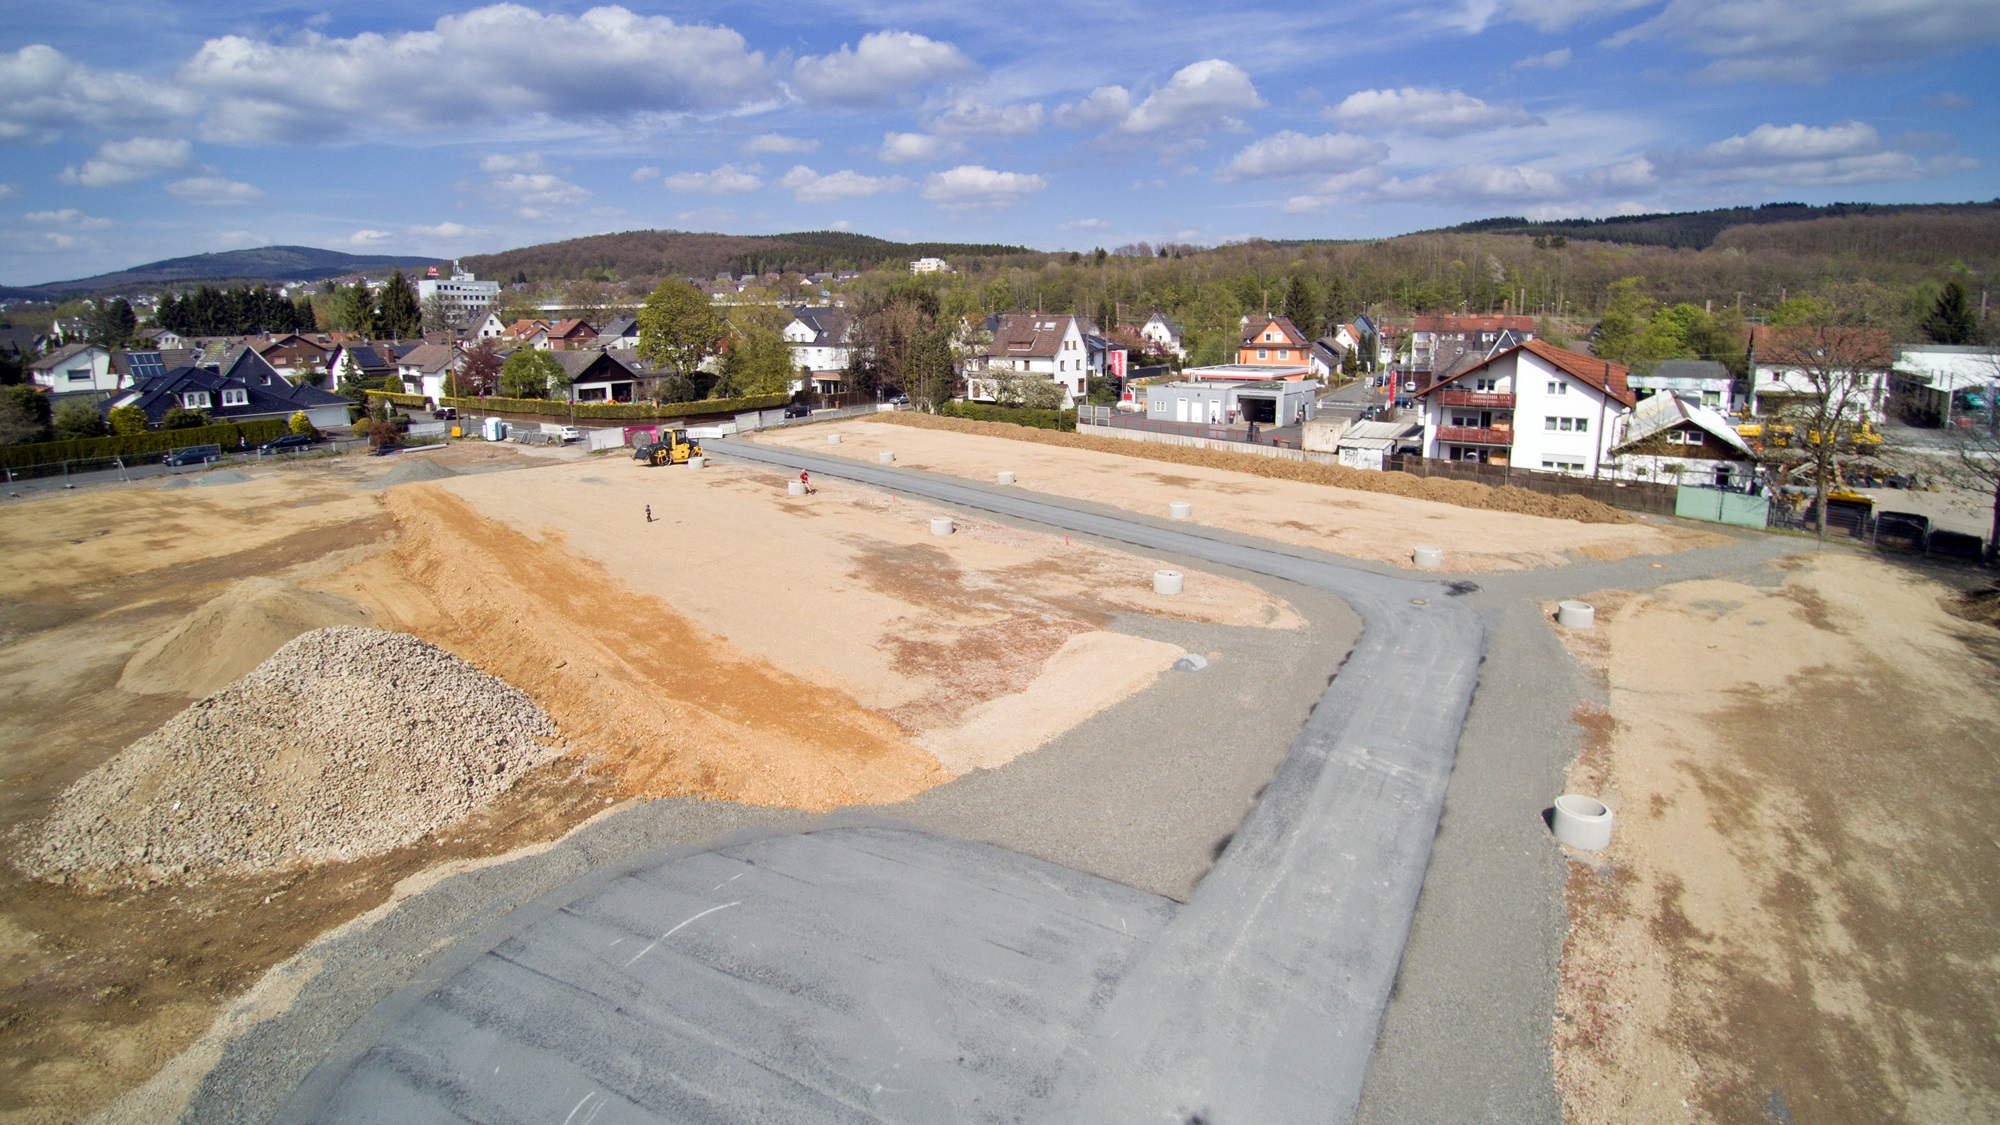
<point>465,297</point>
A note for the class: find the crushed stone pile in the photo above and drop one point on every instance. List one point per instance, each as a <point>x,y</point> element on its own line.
<point>410,472</point>
<point>347,742</point>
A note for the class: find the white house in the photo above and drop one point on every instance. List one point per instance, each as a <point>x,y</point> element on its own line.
<point>1702,381</point>
<point>76,368</point>
<point>491,328</point>
<point>1785,373</point>
<point>1673,438</point>
<point>1935,376</point>
<point>1163,336</point>
<point>1047,344</point>
<point>424,369</point>
<point>820,338</point>
<point>930,265</point>
<point>1533,406</point>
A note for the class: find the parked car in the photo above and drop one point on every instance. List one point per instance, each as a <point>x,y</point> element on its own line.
<point>192,455</point>
<point>287,442</point>
<point>445,414</point>
<point>900,400</point>
<point>798,410</point>
<point>570,434</point>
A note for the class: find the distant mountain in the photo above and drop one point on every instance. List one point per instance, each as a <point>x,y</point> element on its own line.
<point>673,253</point>
<point>266,264</point>
<point>1698,230</point>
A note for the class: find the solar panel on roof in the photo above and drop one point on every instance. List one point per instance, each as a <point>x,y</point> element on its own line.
<point>145,365</point>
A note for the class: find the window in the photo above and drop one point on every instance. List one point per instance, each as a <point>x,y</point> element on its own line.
<point>1550,422</point>
<point>235,398</point>
<point>1557,387</point>
<point>1559,465</point>
<point>78,375</point>
<point>1486,384</point>
<point>194,400</point>
<point>1263,353</point>
<point>1691,438</point>
<point>1284,353</point>
<point>1568,424</point>
<point>1583,425</point>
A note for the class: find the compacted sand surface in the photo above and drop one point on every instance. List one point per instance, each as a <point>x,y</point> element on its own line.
<point>1362,525</point>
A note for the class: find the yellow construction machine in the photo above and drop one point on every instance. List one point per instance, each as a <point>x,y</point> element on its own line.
<point>674,447</point>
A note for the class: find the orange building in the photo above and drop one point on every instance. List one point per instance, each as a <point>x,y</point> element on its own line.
<point>1272,341</point>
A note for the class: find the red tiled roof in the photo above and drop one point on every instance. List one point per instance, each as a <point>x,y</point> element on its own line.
<point>1473,324</point>
<point>1611,378</point>
<point>1253,331</point>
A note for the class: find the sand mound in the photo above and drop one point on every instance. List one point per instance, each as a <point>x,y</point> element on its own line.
<point>346,743</point>
<point>218,643</point>
<point>221,476</point>
<point>411,472</point>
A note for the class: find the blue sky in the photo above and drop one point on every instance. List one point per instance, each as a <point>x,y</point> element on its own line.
<point>136,131</point>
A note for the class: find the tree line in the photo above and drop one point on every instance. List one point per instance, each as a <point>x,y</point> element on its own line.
<point>242,310</point>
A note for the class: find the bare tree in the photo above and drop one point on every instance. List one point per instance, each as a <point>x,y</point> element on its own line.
<point>1828,382</point>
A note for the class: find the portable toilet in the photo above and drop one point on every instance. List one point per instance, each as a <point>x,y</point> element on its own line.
<point>494,429</point>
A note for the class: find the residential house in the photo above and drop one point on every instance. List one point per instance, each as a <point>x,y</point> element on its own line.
<point>572,333</point>
<point>1163,336</point>
<point>1791,363</point>
<point>598,375</point>
<point>162,339</point>
<point>821,340</point>
<point>76,369</point>
<point>425,368</point>
<point>1534,406</point>
<point>1702,381</point>
<point>249,389</point>
<point>1677,439</point>
<point>622,333</point>
<point>23,340</point>
<point>1439,345</point>
<point>528,334</point>
<point>69,329</point>
<point>292,354</point>
<point>359,362</point>
<point>1046,344</point>
<point>1272,341</point>
<point>1326,357</point>
<point>930,265</point>
<point>490,328</point>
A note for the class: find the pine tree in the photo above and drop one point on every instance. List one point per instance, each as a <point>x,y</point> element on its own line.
<point>1300,307</point>
<point>1950,320</point>
<point>399,315</point>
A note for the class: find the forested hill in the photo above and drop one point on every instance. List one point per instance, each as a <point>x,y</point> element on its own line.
<point>655,253</point>
<point>264,264</point>
<point>1698,230</point>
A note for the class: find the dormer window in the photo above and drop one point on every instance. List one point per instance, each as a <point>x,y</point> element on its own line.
<point>194,400</point>
<point>235,397</point>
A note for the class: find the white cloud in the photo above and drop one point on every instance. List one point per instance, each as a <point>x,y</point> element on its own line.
<point>713,216</point>
<point>1084,224</point>
<point>808,186</point>
<point>1554,60</point>
<point>124,162</point>
<point>1439,113</point>
<point>1548,15</point>
<point>778,143</point>
<point>883,64</point>
<point>1949,100</point>
<point>536,195</point>
<point>903,148</point>
<point>1295,154</point>
<point>645,174</point>
<point>843,224</point>
<point>370,238</point>
<point>43,92</point>
<point>214,191</point>
<point>1810,40</point>
<point>727,179</point>
<point>1851,152</point>
<point>490,64</point>
<point>442,230</point>
<point>7,191</point>
<point>972,117</point>
<point>510,162</point>
<point>1199,95</point>
<point>69,218</point>
<point>973,187</point>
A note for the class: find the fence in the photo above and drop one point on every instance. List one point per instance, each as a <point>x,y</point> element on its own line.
<point>1107,417</point>
<point>101,470</point>
<point>1637,495</point>
<point>1225,445</point>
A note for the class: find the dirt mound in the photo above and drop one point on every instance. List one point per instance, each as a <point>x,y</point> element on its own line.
<point>345,743</point>
<point>220,642</point>
<point>411,472</point>
<point>1462,493</point>
<point>1975,605</point>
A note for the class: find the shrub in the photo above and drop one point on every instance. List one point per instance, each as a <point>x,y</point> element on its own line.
<point>74,420</point>
<point>181,418</point>
<point>1064,420</point>
<point>229,435</point>
<point>127,421</point>
<point>300,424</point>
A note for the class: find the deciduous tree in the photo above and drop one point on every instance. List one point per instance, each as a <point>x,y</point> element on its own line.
<point>678,328</point>
<point>531,374</point>
<point>77,420</point>
<point>24,414</point>
<point>478,373</point>
<point>1832,375</point>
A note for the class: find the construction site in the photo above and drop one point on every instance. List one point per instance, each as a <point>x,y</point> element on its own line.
<point>317,773</point>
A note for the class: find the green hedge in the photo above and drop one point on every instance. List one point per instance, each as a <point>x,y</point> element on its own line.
<point>557,408</point>
<point>227,435</point>
<point>1064,420</point>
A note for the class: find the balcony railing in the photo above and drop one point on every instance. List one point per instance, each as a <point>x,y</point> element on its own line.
<point>1490,400</point>
<point>1475,435</point>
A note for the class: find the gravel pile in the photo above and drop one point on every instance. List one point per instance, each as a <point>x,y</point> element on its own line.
<point>347,742</point>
